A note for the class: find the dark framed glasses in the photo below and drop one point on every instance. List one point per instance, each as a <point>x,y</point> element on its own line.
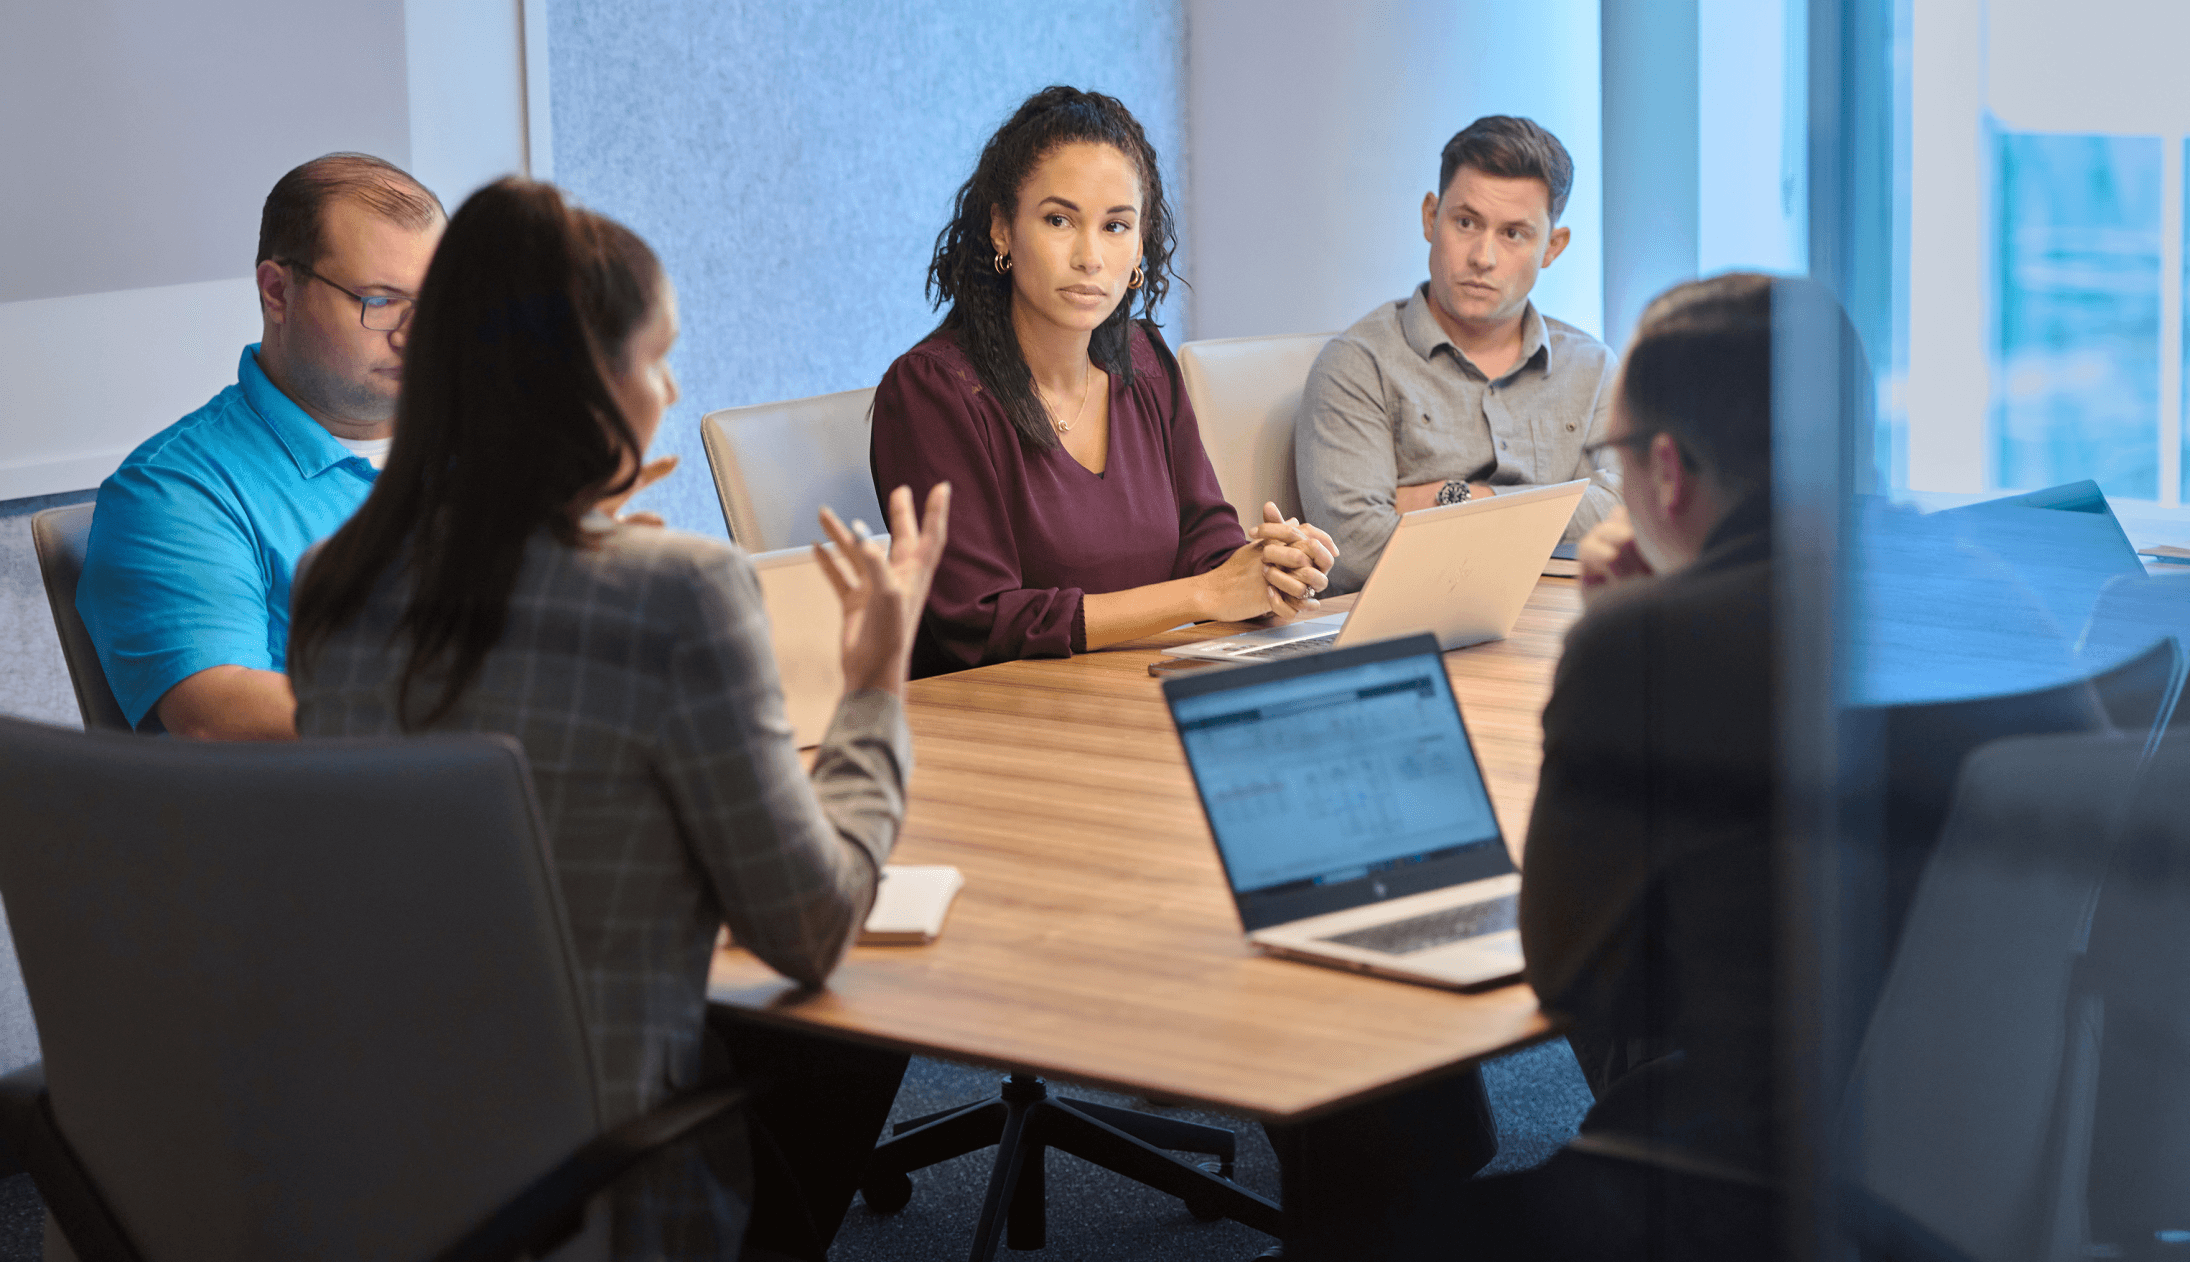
<point>381,313</point>
<point>1636,441</point>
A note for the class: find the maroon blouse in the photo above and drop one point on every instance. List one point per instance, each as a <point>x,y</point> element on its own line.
<point>1031,531</point>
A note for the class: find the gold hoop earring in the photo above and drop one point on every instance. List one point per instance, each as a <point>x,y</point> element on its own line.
<point>1002,263</point>
<point>1138,277</point>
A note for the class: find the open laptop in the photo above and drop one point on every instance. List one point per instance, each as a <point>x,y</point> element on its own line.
<point>1351,815</point>
<point>1459,571</point>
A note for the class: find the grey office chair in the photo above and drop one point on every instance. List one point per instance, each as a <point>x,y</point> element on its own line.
<point>1954,1141</point>
<point>776,464</point>
<point>1923,748</point>
<point>2131,993</point>
<point>59,535</point>
<point>303,1000</point>
<point>2024,1090</point>
<point>2132,611</point>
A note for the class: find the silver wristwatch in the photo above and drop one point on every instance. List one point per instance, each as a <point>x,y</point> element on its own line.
<point>1453,492</point>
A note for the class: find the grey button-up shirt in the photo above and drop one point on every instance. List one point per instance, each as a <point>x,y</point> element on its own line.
<point>1392,402</point>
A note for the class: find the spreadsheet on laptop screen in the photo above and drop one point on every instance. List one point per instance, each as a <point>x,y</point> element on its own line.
<point>1330,776</point>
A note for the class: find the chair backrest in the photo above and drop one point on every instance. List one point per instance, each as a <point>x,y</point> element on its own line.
<point>59,535</point>
<point>2133,996</point>
<point>776,464</point>
<point>806,628</point>
<point>1954,1141</point>
<point>1246,391</point>
<point>303,1000</point>
<point>1922,749</point>
<point>2132,611</point>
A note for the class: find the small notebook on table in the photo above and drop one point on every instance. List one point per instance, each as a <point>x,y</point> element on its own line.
<point>911,905</point>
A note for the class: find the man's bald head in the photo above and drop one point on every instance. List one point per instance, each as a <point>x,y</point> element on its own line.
<point>292,226</point>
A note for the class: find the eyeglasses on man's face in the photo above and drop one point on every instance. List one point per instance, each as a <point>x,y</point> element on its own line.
<point>1636,441</point>
<point>382,313</point>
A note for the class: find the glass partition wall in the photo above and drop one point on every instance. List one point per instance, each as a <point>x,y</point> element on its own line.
<point>1984,847</point>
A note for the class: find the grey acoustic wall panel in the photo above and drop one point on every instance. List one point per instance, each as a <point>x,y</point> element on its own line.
<point>793,163</point>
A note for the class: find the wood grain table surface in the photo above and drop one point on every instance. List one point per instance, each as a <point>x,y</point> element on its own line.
<point>1095,940</point>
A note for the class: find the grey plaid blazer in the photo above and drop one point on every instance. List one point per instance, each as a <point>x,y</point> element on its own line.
<point>638,675</point>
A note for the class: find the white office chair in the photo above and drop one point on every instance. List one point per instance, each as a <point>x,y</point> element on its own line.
<point>1245,392</point>
<point>776,464</point>
<point>806,627</point>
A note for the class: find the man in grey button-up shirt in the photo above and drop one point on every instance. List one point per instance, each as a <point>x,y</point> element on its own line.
<point>1463,388</point>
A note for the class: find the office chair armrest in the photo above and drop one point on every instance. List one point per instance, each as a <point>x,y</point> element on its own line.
<point>26,1118</point>
<point>542,1217</point>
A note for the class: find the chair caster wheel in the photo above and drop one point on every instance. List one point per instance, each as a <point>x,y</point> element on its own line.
<point>886,1193</point>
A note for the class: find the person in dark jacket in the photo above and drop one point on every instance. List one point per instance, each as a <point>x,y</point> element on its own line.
<point>1647,888</point>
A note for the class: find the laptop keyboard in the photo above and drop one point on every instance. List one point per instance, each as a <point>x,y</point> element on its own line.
<point>1288,648</point>
<point>1420,933</point>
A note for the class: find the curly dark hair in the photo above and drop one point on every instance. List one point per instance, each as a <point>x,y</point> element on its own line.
<point>963,272</point>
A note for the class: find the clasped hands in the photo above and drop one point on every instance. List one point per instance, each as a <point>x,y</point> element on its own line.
<point>1296,562</point>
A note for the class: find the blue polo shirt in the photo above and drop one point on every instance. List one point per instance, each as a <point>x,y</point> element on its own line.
<point>197,535</point>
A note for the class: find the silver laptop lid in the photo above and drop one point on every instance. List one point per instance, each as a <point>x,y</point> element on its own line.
<point>1337,780</point>
<point>1463,571</point>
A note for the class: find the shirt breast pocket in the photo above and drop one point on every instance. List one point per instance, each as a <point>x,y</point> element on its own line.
<point>1423,434</point>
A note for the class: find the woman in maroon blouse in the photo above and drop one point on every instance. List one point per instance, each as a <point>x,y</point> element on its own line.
<point>1085,510</point>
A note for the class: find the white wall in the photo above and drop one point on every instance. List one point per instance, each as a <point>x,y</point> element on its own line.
<point>140,139</point>
<point>1314,129</point>
<point>2032,71</point>
<point>1752,183</point>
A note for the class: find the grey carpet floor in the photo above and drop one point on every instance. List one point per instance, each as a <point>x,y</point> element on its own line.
<point>1097,1216</point>
<point>1094,1216</point>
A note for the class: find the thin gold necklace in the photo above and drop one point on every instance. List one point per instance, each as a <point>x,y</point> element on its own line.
<point>1065,427</point>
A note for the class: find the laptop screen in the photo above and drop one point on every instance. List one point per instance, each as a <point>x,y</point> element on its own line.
<point>1337,780</point>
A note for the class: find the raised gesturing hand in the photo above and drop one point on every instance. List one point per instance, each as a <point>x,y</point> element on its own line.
<point>883,594</point>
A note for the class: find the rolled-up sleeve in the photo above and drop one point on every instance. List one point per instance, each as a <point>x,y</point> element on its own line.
<point>1343,452</point>
<point>979,608</point>
<point>793,859</point>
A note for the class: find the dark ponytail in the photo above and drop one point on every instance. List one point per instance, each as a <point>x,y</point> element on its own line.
<point>507,424</point>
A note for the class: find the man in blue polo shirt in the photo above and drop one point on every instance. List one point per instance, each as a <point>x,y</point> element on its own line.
<point>185,587</point>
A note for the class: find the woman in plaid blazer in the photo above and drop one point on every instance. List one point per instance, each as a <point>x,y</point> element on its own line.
<point>489,584</point>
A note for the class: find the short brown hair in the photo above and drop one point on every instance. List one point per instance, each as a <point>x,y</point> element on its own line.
<point>1513,149</point>
<point>1700,369</point>
<point>292,225</point>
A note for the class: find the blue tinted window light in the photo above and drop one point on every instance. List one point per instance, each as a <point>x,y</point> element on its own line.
<point>2077,341</point>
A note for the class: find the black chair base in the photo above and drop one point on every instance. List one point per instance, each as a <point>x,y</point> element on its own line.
<point>1023,1124</point>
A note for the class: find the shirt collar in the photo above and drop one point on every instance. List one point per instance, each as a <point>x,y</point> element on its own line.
<point>306,440</point>
<point>1425,334</point>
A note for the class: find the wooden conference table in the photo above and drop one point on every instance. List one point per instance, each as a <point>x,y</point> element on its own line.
<point>1095,940</point>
